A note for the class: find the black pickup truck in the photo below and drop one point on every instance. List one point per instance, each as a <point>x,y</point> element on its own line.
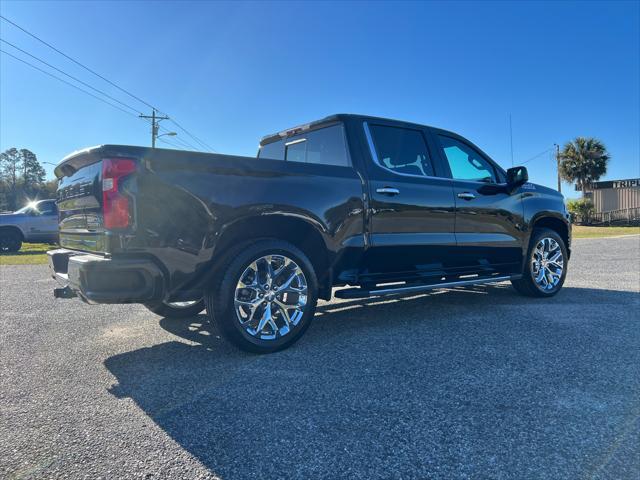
<point>374,205</point>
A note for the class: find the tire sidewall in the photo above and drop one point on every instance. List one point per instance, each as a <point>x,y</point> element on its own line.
<point>538,235</point>
<point>224,307</point>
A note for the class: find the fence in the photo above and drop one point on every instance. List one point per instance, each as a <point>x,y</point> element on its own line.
<point>628,216</point>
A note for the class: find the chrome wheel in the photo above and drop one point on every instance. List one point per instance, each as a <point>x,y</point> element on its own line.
<point>547,264</point>
<point>270,297</point>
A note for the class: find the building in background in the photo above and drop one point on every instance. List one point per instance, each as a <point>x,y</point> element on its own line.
<point>614,194</point>
<point>615,200</point>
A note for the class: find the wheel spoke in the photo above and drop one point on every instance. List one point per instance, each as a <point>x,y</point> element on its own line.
<point>252,303</point>
<point>285,263</point>
<point>545,279</point>
<point>287,283</point>
<point>295,290</point>
<point>266,317</point>
<point>553,274</point>
<point>252,313</point>
<point>283,310</point>
<point>557,259</point>
<point>267,269</point>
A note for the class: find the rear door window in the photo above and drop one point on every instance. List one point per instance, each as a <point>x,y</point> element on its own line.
<point>327,146</point>
<point>402,150</point>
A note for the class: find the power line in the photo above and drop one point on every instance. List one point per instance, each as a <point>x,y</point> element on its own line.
<point>183,142</point>
<point>105,79</point>
<point>75,61</point>
<point>70,76</point>
<point>537,156</point>
<point>192,136</point>
<point>68,83</point>
<point>170,143</point>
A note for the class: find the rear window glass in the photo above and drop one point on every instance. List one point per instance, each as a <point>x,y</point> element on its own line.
<point>296,150</point>
<point>326,146</point>
<point>273,151</point>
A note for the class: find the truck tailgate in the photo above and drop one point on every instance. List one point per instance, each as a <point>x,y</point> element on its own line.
<point>80,209</point>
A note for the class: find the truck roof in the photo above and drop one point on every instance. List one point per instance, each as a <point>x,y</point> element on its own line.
<point>337,117</point>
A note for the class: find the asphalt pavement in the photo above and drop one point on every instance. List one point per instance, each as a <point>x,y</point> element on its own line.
<point>467,383</point>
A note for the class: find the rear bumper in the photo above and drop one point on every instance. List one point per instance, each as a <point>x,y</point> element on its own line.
<point>98,279</point>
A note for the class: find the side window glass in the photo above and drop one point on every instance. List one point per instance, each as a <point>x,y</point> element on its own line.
<point>296,150</point>
<point>47,208</point>
<point>401,150</point>
<point>272,151</point>
<point>325,146</point>
<point>465,162</point>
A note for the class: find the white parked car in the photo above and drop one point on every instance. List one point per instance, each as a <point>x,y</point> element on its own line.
<point>37,223</point>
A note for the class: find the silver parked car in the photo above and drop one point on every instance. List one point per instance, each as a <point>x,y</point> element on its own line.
<point>37,223</point>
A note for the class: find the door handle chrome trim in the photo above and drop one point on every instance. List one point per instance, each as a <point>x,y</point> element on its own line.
<point>388,191</point>
<point>466,195</point>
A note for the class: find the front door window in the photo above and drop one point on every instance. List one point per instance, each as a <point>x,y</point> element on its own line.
<point>465,162</point>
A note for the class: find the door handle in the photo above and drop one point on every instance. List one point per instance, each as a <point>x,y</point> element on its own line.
<point>466,195</point>
<point>388,191</point>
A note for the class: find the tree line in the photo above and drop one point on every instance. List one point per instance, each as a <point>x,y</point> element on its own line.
<point>22,179</point>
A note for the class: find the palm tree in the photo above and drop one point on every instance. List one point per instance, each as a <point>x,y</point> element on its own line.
<point>583,161</point>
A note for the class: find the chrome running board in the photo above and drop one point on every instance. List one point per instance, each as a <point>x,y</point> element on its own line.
<point>376,292</point>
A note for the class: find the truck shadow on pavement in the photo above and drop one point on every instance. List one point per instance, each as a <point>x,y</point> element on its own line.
<point>403,384</point>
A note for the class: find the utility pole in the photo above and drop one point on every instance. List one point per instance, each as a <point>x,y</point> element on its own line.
<point>155,125</point>
<point>558,167</point>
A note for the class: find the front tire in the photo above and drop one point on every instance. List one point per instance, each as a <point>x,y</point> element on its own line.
<point>545,267</point>
<point>263,299</point>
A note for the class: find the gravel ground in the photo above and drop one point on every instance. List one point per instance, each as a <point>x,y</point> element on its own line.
<point>469,383</point>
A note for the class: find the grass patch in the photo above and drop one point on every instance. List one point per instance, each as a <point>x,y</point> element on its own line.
<point>582,231</point>
<point>29,254</point>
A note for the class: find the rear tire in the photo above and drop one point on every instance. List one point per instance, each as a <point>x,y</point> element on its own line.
<point>10,241</point>
<point>545,266</point>
<point>264,297</point>
<point>174,310</point>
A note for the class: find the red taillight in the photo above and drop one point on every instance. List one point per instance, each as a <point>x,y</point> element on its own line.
<point>115,205</point>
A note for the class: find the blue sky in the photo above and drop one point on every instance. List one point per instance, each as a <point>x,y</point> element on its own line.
<point>233,72</point>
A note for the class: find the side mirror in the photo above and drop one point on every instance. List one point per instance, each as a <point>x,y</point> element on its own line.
<point>517,176</point>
